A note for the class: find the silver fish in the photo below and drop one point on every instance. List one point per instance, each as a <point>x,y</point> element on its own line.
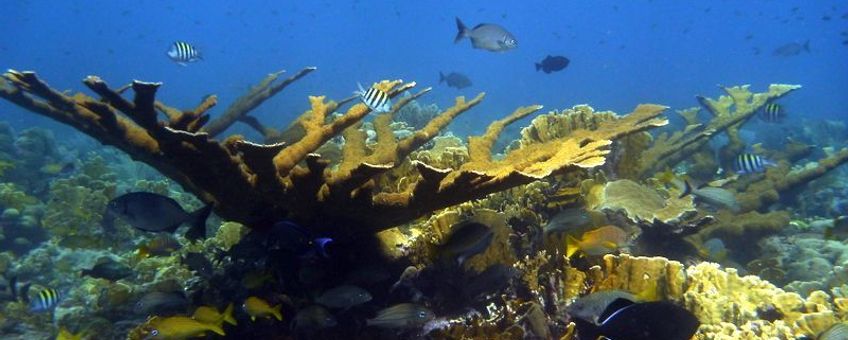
<point>490,37</point>
<point>404,315</point>
<point>344,296</point>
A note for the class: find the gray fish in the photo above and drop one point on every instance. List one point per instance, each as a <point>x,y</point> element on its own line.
<point>491,280</point>
<point>153,212</point>
<point>109,269</point>
<point>404,315</point>
<point>590,307</point>
<point>716,197</point>
<point>454,79</point>
<point>466,240</point>
<point>792,49</point>
<point>344,296</point>
<point>490,37</point>
<point>568,219</point>
<point>313,318</point>
<point>160,303</point>
<point>552,64</point>
<point>838,331</point>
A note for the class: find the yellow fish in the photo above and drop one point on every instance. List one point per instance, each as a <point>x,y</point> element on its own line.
<point>258,308</point>
<point>600,241</point>
<point>210,315</point>
<point>65,334</point>
<point>179,327</point>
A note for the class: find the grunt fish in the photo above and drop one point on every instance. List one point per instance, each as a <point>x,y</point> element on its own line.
<point>600,241</point>
<point>344,296</point>
<point>404,315</point>
<point>258,308</point>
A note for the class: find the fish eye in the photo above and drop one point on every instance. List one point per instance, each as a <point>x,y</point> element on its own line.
<point>422,314</point>
<point>154,332</point>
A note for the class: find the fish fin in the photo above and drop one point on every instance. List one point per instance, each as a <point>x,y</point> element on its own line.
<point>610,245</point>
<point>13,287</point>
<point>572,245</point>
<point>807,46</point>
<point>687,189</point>
<point>198,223</point>
<point>360,91</point>
<point>228,315</point>
<point>24,293</point>
<point>182,64</point>
<point>217,329</point>
<point>462,31</point>
<point>276,311</point>
<point>538,67</point>
<point>441,77</point>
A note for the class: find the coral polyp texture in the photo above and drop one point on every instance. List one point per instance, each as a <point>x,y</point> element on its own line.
<point>260,183</point>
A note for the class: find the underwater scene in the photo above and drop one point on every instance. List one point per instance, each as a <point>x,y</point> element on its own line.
<point>574,170</point>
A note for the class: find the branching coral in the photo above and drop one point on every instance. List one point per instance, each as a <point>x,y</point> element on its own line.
<point>257,184</point>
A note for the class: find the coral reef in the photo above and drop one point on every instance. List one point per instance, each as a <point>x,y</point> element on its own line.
<point>266,182</point>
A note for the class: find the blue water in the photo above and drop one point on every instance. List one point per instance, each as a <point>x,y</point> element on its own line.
<point>622,53</point>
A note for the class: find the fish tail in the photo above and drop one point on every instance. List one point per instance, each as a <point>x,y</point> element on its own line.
<point>24,293</point>
<point>807,45</point>
<point>228,315</point>
<point>462,31</point>
<point>198,223</point>
<point>538,67</point>
<point>441,77</point>
<point>687,189</point>
<point>13,287</point>
<point>572,245</point>
<point>276,312</point>
<point>143,252</point>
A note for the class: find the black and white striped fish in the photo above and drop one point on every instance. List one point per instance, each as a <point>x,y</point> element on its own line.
<point>747,163</point>
<point>772,113</point>
<point>45,300</point>
<point>182,52</point>
<point>377,100</point>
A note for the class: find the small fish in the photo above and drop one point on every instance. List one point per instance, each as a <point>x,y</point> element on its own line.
<point>313,317</point>
<point>344,296</point>
<point>57,168</point>
<point>552,64</point>
<point>160,303</point>
<point>747,163</point>
<point>376,99</point>
<point>791,49</point>
<point>256,279</point>
<point>568,219</point>
<point>713,250</point>
<point>183,53</point>
<point>590,307</point>
<point>210,315</point>
<point>408,274</point>
<point>403,315</point>
<point>46,300</point>
<point>839,331</point>
<point>716,197</point>
<point>109,269</point>
<point>455,79</point>
<point>153,212</point>
<point>162,245</point>
<point>179,327</point>
<point>65,334</point>
<point>301,242</point>
<point>600,241</point>
<point>465,240</point>
<point>258,308</point>
<point>199,263</point>
<point>772,113</point>
<point>490,37</point>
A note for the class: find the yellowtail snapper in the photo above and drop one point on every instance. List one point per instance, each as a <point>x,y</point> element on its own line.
<point>772,113</point>
<point>46,300</point>
<point>747,163</point>
<point>183,53</point>
<point>377,100</point>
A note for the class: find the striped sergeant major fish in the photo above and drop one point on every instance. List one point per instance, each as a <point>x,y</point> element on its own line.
<point>772,113</point>
<point>747,163</point>
<point>46,300</point>
<point>182,53</point>
<point>377,100</point>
